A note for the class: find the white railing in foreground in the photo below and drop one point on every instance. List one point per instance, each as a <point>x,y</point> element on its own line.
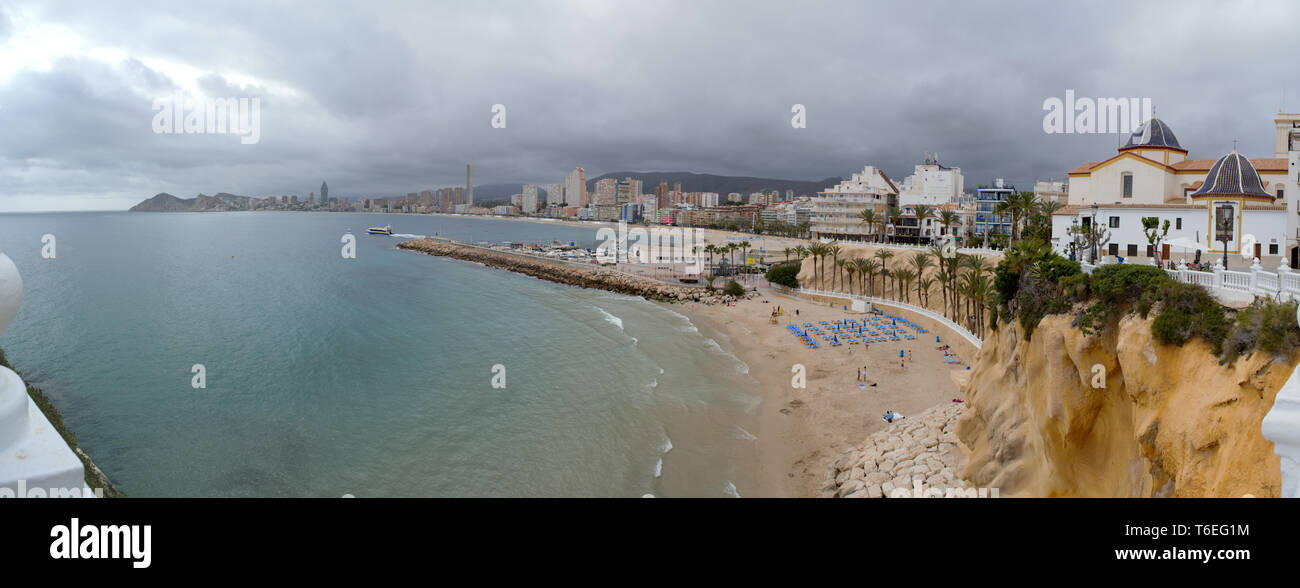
<point>930,314</point>
<point>1282,285</point>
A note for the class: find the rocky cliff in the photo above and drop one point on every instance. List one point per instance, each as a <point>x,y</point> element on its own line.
<point>1163,420</point>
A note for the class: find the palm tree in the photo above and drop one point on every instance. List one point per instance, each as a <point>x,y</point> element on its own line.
<point>922,212</point>
<point>867,269</point>
<point>921,261</point>
<point>849,268</point>
<point>924,285</point>
<point>883,255</point>
<point>744,257</point>
<point>868,217</point>
<point>948,218</point>
<point>711,249</point>
<point>787,251</point>
<point>860,266</point>
<point>905,277</point>
<point>817,251</point>
<point>834,250</point>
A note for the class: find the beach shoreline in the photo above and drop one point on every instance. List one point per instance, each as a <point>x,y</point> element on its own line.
<point>802,432</point>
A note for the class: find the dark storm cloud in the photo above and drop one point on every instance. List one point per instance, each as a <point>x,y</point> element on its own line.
<point>386,98</point>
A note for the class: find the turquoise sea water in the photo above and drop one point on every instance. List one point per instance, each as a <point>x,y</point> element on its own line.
<point>370,376</point>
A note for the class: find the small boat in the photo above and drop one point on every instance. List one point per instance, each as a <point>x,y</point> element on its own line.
<point>388,230</point>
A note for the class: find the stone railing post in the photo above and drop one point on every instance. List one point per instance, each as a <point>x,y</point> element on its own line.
<point>1220,278</point>
<point>1182,271</point>
<point>33,456</point>
<point>1283,270</point>
<point>1255,268</point>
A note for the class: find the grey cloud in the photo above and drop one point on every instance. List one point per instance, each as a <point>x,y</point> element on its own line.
<point>388,97</point>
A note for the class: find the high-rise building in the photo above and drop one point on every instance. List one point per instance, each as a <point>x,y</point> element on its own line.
<point>469,187</point>
<point>628,190</point>
<point>575,188</point>
<point>605,190</point>
<point>324,193</point>
<point>554,194</point>
<point>530,199</point>
<point>661,194</point>
<point>457,196</point>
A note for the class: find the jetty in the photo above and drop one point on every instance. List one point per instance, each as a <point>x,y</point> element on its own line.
<point>565,272</point>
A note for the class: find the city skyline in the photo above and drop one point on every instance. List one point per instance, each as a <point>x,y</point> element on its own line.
<point>404,114</point>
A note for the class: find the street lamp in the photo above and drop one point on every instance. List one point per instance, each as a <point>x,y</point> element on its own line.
<point>1224,224</point>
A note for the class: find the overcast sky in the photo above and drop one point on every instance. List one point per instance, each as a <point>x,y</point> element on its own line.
<point>384,98</point>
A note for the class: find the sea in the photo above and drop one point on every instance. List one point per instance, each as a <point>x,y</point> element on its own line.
<point>241,354</point>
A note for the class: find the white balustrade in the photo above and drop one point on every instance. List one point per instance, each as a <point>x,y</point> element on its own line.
<point>33,456</point>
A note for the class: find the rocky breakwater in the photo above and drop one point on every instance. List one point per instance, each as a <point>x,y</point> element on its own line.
<point>567,273</point>
<point>916,456</point>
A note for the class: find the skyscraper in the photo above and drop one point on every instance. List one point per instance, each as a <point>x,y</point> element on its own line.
<point>661,194</point>
<point>324,193</point>
<point>629,189</point>
<point>469,187</point>
<point>605,188</point>
<point>575,188</point>
<point>555,194</point>
<point>530,199</point>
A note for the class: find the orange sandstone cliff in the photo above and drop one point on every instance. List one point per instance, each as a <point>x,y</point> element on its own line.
<point>1166,421</point>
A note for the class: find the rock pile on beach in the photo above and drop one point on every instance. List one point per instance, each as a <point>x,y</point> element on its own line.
<point>918,449</point>
<point>568,273</point>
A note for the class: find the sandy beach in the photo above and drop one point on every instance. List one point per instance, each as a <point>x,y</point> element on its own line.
<point>801,431</point>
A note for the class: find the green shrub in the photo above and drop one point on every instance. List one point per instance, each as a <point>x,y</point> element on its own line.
<point>1006,281</point>
<point>1037,298</point>
<point>1076,287</point>
<point>1119,288</point>
<point>785,274</point>
<point>733,289</point>
<point>1266,325</point>
<point>1055,267</point>
<point>1186,311</point>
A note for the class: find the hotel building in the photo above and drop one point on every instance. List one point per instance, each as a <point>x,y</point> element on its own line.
<point>837,211</point>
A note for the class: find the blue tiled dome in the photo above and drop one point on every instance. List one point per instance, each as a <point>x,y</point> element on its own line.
<point>1155,133</point>
<point>1232,175</point>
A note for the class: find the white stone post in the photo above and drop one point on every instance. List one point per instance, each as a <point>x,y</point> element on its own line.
<point>33,457</point>
<point>1220,276</point>
<point>1254,276</point>
<point>1283,270</point>
<point>1282,426</point>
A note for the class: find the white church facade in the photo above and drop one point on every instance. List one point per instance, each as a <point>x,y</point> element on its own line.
<point>1250,202</point>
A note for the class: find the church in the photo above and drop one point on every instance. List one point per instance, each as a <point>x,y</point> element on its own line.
<point>1249,204</point>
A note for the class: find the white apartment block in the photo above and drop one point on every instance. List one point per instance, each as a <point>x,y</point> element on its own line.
<point>837,211</point>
